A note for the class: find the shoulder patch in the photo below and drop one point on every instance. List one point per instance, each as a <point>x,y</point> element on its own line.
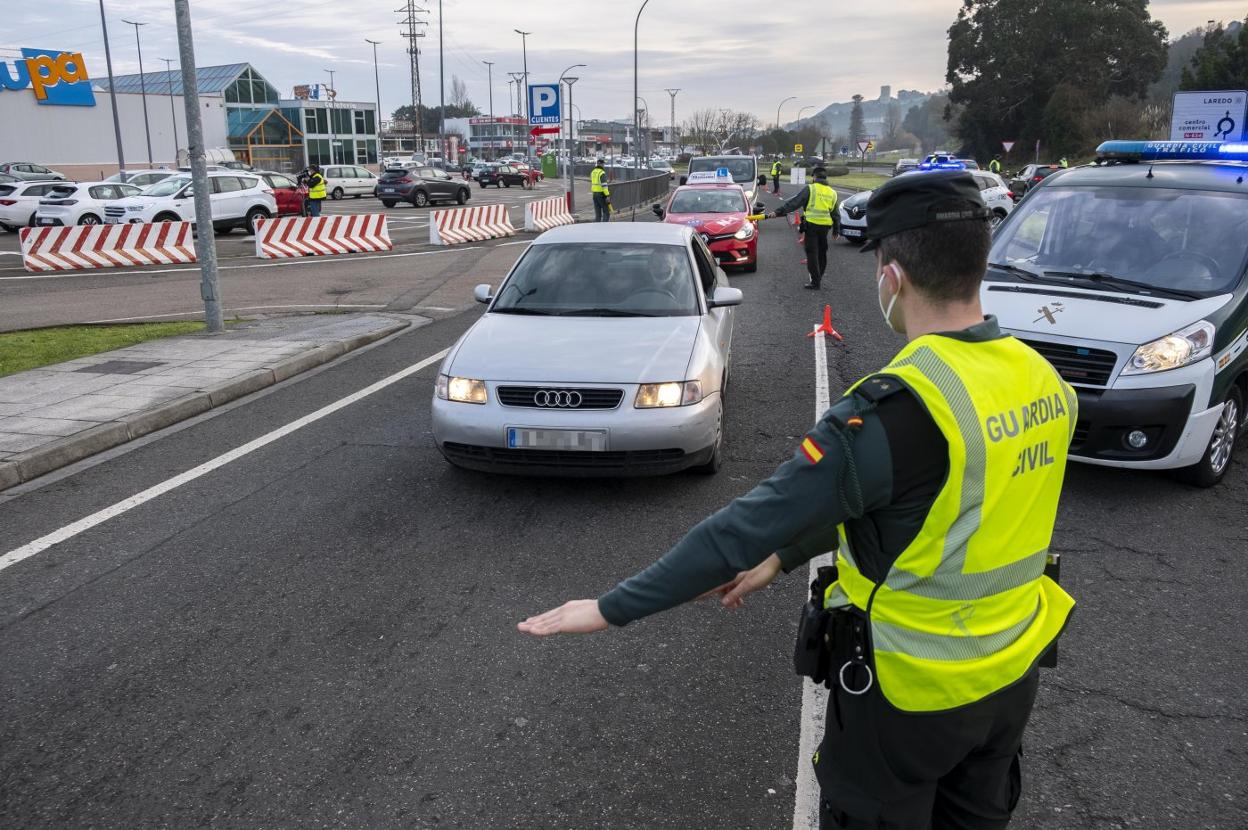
<point>812,451</point>
<point>878,387</point>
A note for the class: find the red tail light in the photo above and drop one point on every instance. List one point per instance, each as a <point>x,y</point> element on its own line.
<point>7,202</point>
<point>404,180</point>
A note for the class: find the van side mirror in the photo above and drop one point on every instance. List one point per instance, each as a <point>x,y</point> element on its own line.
<point>483,293</point>
<point>684,180</point>
<point>724,296</point>
<point>657,210</point>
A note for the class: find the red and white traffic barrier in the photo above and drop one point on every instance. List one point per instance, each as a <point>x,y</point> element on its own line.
<point>79,247</point>
<point>295,236</point>
<point>474,224</point>
<point>544,214</point>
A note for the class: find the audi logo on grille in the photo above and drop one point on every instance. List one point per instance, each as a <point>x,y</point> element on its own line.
<point>557,398</point>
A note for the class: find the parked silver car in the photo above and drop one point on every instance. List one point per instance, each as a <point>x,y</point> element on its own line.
<point>604,352</point>
<point>30,172</point>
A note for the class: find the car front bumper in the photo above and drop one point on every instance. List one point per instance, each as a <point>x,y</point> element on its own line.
<point>853,229</point>
<point>639,441</point>
<point>733,251</point>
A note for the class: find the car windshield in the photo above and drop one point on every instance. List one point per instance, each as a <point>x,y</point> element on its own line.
<point>1194,242</point>
<point>601,279</point>
<point>742,169</point>
<point>167,187</point>
<point>707,201</point>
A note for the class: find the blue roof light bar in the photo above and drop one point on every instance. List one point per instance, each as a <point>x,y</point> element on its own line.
<point>1173,151</point>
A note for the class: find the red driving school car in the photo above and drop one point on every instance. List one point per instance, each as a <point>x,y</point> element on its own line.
<point>717,209</point>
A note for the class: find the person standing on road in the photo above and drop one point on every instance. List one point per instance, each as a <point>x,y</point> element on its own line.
<point>316,189</point>
<point>994,166</point>
<point>601,191</point>
<point>936,481</point>
<point>818,204</point>
<point>1063,163</point>
<point>776,170</point>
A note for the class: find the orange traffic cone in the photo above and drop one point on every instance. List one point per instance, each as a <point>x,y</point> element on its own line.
<point>826,326</point>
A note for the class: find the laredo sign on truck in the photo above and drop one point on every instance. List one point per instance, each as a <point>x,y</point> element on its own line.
<point>1210,116</point>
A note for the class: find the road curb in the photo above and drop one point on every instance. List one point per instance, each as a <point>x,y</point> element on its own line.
<point>29,465</point>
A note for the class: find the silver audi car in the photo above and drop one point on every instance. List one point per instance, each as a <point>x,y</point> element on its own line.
<point>604,352</point>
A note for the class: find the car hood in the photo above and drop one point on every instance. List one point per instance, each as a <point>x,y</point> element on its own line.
<point>576,349</point>
<point>1092,315</point>
<point>715,224</point>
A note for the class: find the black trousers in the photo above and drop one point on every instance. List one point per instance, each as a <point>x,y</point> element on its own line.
<point>775,184</point>
<point>816,250</point>
<point>882,768</point>
<point>601,212</point>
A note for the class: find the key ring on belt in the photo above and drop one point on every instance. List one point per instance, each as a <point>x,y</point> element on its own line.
<point>864,689</point>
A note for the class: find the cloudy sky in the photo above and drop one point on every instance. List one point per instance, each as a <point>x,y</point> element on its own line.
<point>720,53</point>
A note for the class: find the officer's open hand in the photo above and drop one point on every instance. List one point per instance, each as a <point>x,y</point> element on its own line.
<point>747,582</point>
<point>580,616</point>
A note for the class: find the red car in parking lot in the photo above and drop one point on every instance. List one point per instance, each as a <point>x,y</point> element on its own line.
<point>719,212</point>
<point>288,193</point>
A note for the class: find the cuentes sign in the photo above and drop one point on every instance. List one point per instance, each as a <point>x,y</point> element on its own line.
<point>57,78</point>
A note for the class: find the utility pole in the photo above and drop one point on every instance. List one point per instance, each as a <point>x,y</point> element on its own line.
<point>173,113</point>
<point>571,146</point>
<point>675,140</point>
<point>442,145</point>
<point>147,130</point>
<point>516,78</point>
<point>377,84</point>
<point>205,240</point>
<point>490,70</point>
<point>411,21</point>
<point>524,48</point>
<point>331,94</point>
<point>112,95</point>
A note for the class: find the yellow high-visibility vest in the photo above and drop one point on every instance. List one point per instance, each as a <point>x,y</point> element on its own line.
<point>994,166</point>
<point>775,168</point>
<point>966,610</point>
<point>819,204</point>
<point>316,186</point>
<point>598,181</point>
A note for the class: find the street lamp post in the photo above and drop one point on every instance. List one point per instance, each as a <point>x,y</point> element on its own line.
<point>173,113</point>
<point>636,119</point>
<point>332,94</point>
<point>490,70</point>
<point>441,95</point>
<point>778,106</point>
<point>147,130</point>
<point>377,84</point>
<point>569,80</point>
<point>112,95</point>
<point>643,139</point>
<point>803,109</point>
<point>672,92</point>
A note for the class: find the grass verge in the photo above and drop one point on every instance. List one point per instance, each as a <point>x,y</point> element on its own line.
<point>22,350</point>
<point>866,181</point>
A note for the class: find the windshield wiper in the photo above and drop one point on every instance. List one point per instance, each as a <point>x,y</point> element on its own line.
<point>1122,283</point>
<point>1030,276</point>
<point>603,312</point>
<point>523,310</point>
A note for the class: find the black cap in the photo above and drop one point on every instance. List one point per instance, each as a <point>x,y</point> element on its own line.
<point>821,172</point>
<point>915,200</point>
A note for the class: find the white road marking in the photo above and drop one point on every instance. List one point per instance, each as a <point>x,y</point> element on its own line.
<point>286,262</point>
<point>82,525</point>
<point>10,253</point>
<point>229,311</point>
<point>814,698</point>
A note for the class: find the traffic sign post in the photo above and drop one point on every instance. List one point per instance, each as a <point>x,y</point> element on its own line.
<point>863,146</point>
<point>797,148</point>
<point>1210,116</point>
<point>544,105</point>
<point>1008,145</point>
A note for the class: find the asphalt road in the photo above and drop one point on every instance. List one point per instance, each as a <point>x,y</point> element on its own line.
<point>321,632</point>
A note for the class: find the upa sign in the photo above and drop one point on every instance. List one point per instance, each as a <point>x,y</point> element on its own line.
<point>56,78</point>
<point>544,104</point>
<point>1209,116</point>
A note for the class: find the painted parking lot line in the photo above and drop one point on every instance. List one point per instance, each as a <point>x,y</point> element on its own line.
<point>84,524</point>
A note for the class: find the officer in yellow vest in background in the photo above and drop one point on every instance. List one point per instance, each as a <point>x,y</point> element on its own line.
<point>316,189</point>
<point>602,192</point>
<point>937,482</point>
<point>818,204</point>
<point>994,166</point>
<point>776,170</point>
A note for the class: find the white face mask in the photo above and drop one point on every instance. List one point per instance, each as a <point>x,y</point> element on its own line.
<point>887,312</point>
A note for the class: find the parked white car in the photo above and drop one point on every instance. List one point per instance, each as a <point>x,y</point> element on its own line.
<point>996,194</point>
<point>238,201</point>
<point>19,202</point>
<point>80,203</point>
<point>348,180</point>
<point>142,178</point>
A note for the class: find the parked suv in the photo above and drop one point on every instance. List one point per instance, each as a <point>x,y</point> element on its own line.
<point>420,186</point>
<point>71,203</point>
<point>19,202</point>
<point>142,178</point>
<point>238,201</point>
<point>503,175</point>
<point>1029,177</point>
<point>348,180</point>
<point>30,172</point>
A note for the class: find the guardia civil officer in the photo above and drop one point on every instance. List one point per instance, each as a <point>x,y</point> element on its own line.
<point>818,204</point>
<point>994,166</point>
<point>937,480</point>
<point>602,192</point>
<point>776,170</point>
<point>316,189</point>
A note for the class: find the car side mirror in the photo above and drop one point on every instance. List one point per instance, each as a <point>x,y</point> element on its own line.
<point>762,180</point>
<point>684,180</point>
<point>724,296</point>
<point>759,207</point>
<point>657,210</point>
<point>189,193</point>
<point>483,293</point>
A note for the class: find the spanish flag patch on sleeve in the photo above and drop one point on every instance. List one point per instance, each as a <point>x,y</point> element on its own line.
<point>812,451</point>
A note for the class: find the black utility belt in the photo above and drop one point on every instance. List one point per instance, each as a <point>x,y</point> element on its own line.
<point>833,647</point>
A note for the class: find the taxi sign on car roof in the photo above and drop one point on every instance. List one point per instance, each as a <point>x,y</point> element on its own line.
<point>720,176</point>
<point>1174,150</point>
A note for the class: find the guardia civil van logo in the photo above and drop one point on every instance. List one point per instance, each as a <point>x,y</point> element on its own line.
<point>57,78</point>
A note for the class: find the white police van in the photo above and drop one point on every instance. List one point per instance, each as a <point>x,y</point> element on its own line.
<point>1128,275</point>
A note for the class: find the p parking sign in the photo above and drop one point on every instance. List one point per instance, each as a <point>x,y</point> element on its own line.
<point>544,105</point>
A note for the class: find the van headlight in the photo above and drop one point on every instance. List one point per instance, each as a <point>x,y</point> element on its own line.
<point>462,390</point>
<point>657,395</point>
<point>1172,351</point>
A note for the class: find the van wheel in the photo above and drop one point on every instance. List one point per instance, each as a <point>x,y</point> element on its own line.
<point>336,194</point>
<point>89,219</point>
<point>1217,458</point>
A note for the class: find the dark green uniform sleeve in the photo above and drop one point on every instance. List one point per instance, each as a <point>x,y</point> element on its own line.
<point>798,201</point>
<point>794,513</point>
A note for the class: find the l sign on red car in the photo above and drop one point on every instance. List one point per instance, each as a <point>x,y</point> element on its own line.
<point>718,211</point>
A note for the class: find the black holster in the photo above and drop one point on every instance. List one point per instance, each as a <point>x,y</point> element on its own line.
<point>811,657</point>
<point>1053,570</point>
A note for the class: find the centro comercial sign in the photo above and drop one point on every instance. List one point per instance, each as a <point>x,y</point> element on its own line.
<point>56,78</point>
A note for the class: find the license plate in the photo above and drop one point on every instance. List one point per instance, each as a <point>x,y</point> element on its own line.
<point>44,221</point>
<point>387,190</point>
<point>578,440</point>
<point>112,220</point>
<point>850,232</point>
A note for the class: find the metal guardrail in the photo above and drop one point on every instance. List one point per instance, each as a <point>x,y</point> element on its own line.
<point>639,191</point>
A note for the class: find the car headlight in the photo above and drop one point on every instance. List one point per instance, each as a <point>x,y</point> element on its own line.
<point>746,231</point>
<point>1172,351</point>
<point>656,395</point>
<point>463,390</point>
